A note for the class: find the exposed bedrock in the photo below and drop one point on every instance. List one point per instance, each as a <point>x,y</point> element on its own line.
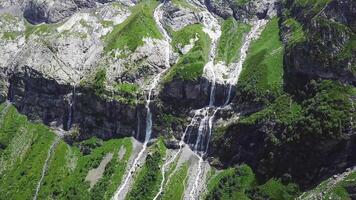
<point>43,99</point>
<point>307,160</point>
<point>185,95</point>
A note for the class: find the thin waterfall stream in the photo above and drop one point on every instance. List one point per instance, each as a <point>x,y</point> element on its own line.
<point>45,166</point>
<point>157,16</point>
<point>71,109</point>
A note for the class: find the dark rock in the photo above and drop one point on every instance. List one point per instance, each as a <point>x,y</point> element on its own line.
<point>43,99</point>
<point>307,160</point>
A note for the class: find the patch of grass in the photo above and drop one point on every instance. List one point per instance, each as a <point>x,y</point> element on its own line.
<point>241,2</point>
<point>297,34</point>
<point>175,188</point>
<point>25,150</point>
<point>262,74</point>
<point>275,190</point>
<point>182,37</point>
<point>42,29</point>
<point>127,92</point>
<point>10,35</point>
<point>231,184</point>
<point>71,184</point>
<point>190,66</point>
<point>231,40</point>
<point>140,24</point>
<point>184,4</point>
<point>148,179</point>
<point>313,6</point>
<point>97,82</point>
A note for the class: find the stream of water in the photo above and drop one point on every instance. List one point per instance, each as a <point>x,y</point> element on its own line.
<point>119,194</point>
<point>45,166</point>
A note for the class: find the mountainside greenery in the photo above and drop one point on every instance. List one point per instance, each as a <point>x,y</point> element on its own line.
<point>139,25</point>
<point>25,147</point>
<point>262,74</point>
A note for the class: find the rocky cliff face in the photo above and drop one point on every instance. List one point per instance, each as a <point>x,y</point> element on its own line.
<point>66,107</point>
<point>323,47</point>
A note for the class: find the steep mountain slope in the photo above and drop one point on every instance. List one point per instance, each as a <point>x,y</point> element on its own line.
<point>181,99</point>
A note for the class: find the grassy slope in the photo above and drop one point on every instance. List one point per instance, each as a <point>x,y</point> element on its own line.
<point>261,77</point>
<point>138,25</point>
<point>148,179</point>
<point>190,66</point>
<point>175,188</point>
<point>231,40</point>
<point>24,148</point>
<point>240,183</point>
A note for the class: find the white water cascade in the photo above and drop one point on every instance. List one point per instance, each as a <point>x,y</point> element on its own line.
<point>172,159</point>
<point>237,67</point>
<point>206,115</point>
<point>120,193</point>
<point>45,166</point>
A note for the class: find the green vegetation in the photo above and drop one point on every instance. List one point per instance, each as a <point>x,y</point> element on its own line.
<point>184,4</point>
<point>274,189</point>
<point>339,190</point>
<point>231,184</point>
<point>241,2</point>
<point>127,92</point>
<point>148,180</point>
<point>261,76</point>
<point>138,25</point>
<point>190,66</point>
<point>175,188</point>
<point>313,6</point>
<point>89,155</point>
<point>97,82</point>
<point>231,40</point>
<point>297,34</point>
<point>42,29</point>
<point>23,151</point>
<point>325,112</point>
<point>240,183</point>
<point>24,148</point>
<point>10,35</point>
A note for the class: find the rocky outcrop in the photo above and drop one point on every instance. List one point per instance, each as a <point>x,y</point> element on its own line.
<point>242,10</point>
<point>326,52</point>
<point>59,105</point>
<point>306,161</point>
<point>191,94</point>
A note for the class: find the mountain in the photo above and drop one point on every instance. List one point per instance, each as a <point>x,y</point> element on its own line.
<point>180,99</point>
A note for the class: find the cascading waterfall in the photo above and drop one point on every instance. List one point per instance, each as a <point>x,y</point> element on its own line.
<point>45,166</point>
<point>157,16</point>
<point>207,122</point>
<point>237,67</point>
<point>173,158</point>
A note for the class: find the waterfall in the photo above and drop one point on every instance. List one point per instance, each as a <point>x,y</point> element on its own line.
<point>206,115</point>
<point>173,158</point>
<point>158,14</point>
<point>237,67</point>
<point>45,166</point>
<point>71,110</point>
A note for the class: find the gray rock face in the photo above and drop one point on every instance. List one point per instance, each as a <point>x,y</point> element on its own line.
<point>43,99</point>
<point>177,17</point>
<point>243,11</point>
<point>53,11</point>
